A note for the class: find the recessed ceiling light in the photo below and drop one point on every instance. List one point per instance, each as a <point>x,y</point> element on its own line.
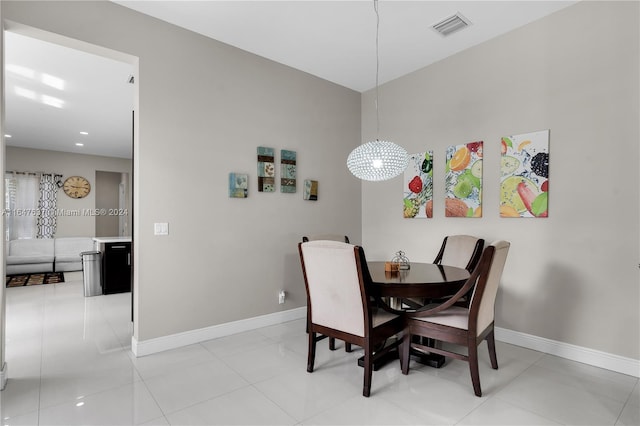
<point>79,144</point>
<point>53,81</point>
<point>54,102</point>
<point>7,136</point>
<point>84,133</point>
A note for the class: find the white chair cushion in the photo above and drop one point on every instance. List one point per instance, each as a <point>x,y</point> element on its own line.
<point>455,316</point>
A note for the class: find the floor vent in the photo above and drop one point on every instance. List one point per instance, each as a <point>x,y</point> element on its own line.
<point>451,24</point>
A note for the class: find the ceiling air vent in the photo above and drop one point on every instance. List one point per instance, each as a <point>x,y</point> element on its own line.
<point>451,24</point>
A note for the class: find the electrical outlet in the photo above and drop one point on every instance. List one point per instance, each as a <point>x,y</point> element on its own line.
<point>281,297</point>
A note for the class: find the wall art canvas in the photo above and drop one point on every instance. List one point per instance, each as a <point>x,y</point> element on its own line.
<point>266,169</point>
<point>287,171</point>
<point>310,190</point>
<point>524,170</point>
<point>238,185</point>
<point>463,180</point>
<point>418,186</point>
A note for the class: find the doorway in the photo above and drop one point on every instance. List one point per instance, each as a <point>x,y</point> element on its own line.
<point>112,190</point>
<point>46,97</point>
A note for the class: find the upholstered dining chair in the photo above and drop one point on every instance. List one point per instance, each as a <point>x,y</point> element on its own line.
<point>462,251</point>
<point>467,327</point>
<point>335,275</point>
<point>330,237</point>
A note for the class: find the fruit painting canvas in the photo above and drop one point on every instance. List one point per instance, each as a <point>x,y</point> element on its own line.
<point>418,186</point>
<point>463,180</point>
<point>524,169</point>
<point>266,169</point>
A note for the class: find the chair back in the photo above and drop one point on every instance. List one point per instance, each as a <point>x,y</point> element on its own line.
<point>483,299</point>
<point>335,286</point>
<point>462,251</point>
<point>331,237</point>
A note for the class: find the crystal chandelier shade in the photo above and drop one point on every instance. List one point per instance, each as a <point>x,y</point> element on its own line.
<point>377,160</point>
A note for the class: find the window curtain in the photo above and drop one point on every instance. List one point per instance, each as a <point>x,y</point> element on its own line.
<point>47,205</point>
<point>21,201</point>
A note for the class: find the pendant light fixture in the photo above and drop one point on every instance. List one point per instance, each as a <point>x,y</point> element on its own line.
<point>377,160</point>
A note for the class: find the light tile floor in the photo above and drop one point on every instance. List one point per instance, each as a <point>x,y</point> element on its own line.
<point>69,363</point>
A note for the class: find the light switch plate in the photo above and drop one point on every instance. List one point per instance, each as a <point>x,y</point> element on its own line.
<point>161,229</point>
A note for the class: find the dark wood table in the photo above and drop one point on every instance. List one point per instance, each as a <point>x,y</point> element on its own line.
<point>422,280</point>
<point>426,280</point>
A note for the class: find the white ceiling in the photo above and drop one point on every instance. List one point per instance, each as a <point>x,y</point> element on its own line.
<point>334,40</point>
<point>95,97</point>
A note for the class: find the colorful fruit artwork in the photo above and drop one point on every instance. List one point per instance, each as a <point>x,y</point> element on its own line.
<point>418,188</point>
<point>463,180</point>
<point>524,182</point>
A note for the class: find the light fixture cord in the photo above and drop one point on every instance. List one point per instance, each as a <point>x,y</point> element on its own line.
<point>375,8</point>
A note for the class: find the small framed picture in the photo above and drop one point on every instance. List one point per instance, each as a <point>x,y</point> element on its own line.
<point>310,190</point>
<point>238,185</point>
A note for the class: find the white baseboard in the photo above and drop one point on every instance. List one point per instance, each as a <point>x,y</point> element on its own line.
<point>581,354</point>
<point>4,376</point>
<point>151,346</point>
<point>588,356</point>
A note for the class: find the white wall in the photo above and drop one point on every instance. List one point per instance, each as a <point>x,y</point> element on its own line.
<point>68,164</point>
<point>204,108</point>
<point>572,277</point>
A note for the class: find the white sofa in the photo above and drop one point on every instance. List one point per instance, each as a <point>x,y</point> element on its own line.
<point>67,252</point>
<point>30,256</point>
<point>46,255</point>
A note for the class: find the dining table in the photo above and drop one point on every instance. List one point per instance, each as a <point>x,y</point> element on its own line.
<point>422,280</point>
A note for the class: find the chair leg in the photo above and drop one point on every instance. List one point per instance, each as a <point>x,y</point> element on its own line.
<point>405,350</point>
<point>332,343</point>
<point>347,347</point>
<point>311,358</point>
<point>473,367</point>
<point>491,343</point>
<point>368,370</point>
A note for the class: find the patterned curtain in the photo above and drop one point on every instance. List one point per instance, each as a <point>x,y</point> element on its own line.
<point>47,205</point>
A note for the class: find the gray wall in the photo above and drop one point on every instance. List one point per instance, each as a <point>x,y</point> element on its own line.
<point>69,164</point>
<point>572,277</point>
<point>203,109</point>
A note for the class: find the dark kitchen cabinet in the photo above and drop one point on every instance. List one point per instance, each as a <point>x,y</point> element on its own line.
<point>116,267</point>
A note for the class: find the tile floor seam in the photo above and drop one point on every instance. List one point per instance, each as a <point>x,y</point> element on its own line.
<point>572,374</point>
<point>542,414</point>
<point>186,407</point>
<point>153,397</point>
<point>276,404</point>
<point>628,402</point>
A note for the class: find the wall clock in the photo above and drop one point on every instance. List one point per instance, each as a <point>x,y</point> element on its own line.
<point>76,187</point>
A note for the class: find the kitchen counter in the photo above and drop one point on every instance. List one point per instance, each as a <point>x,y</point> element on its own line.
<point>112,239</point>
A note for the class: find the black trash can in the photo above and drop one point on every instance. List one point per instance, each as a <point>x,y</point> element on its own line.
<point>92,272</point>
